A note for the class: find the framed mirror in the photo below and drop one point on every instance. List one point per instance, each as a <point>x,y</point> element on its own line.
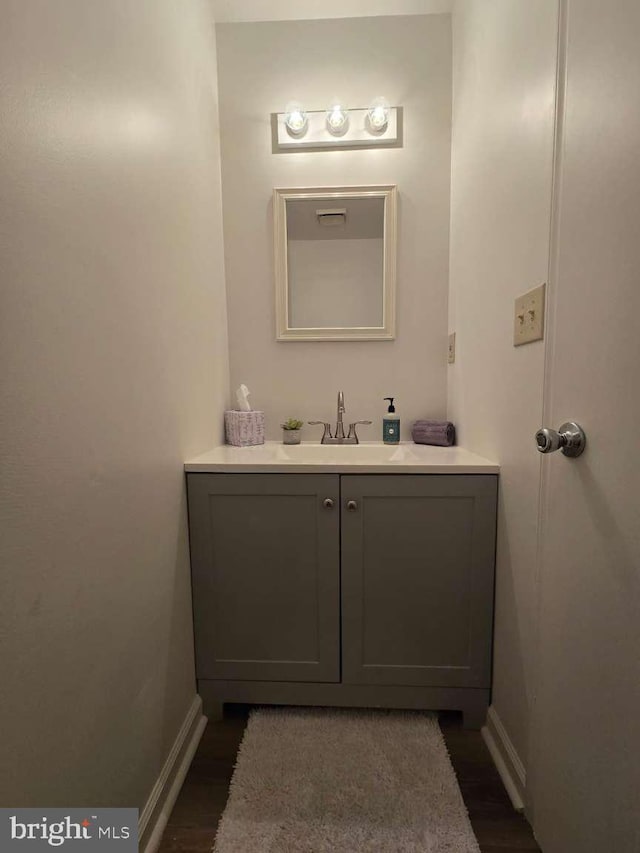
<point>335,263</point>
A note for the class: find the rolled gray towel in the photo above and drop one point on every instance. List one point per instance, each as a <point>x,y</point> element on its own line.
<point>440,433</point>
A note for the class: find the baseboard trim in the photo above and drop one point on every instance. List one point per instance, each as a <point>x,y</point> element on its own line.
<point>164,794</point>
<point>506,759</point>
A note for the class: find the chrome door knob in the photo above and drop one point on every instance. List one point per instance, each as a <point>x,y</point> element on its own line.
<point>352,506</point>
<point>327,503</point>
<point>570,438</point>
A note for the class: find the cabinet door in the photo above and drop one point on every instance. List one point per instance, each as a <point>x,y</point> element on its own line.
<point>266,573</point>
<point>417,579</point>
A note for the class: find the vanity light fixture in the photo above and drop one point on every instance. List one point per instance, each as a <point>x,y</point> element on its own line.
<point>378,115</point>
<point>295,119</point>
<point>337,119</point>
<point>337,127</point>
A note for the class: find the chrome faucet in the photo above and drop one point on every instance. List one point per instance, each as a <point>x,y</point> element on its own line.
<point>339,438</point>
<point>341,411</point>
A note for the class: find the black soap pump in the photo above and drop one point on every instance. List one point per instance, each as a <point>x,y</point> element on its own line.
<point>391,424</point>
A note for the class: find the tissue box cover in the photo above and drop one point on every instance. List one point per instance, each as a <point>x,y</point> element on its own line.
<point>244,429</point>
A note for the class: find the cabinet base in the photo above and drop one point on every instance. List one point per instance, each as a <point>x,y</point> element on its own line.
<point>472,701</point>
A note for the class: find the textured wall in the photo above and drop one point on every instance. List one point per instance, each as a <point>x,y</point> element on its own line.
<point>262,67</point>
<point>114,369</point>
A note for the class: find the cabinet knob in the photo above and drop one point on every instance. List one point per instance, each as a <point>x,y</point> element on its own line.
<point>352,506</point>
<point>327,503</point>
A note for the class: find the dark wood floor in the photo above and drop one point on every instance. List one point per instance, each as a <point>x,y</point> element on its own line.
<point>193,822</point>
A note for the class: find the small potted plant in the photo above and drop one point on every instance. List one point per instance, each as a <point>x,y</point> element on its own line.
<point>291,431</point>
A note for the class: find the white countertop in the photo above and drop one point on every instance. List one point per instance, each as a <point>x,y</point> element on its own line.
<point>273,457</point>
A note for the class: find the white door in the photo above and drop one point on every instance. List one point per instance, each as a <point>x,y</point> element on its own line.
<point>586,747</point>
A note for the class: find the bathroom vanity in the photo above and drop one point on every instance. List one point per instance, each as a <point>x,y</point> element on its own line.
<point>346,576</point>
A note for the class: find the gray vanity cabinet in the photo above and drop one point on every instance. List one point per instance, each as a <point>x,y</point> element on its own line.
<point>266,573</point>
<point>417,579</point>
<point>329,589</point>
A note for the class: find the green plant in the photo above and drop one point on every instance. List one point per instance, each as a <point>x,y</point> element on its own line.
<point>292,423</point>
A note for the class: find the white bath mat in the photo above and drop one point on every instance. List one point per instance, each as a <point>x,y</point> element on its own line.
<point>342,781</point>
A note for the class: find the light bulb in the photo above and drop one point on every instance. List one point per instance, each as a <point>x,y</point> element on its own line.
<point>337,119</point>
<point>378,114</point>
<point>295,119</point>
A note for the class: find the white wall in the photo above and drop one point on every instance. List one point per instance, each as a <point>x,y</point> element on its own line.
<point>262,67</point>
<point>504,60</point>
<point>336,283</point>
<point>114,369</point>
<point>290,10</point>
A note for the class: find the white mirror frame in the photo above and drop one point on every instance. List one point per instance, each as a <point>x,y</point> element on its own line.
<point>387,331</point>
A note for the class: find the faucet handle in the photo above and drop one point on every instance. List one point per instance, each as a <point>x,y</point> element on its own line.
<point>327,429</point>
<point>352,429</point>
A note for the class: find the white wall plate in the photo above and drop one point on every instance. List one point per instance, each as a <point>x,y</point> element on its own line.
<point>528,321</point>
<point>451,356</point>
<point>357,134</point>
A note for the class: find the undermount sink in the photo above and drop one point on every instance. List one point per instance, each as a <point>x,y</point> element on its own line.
<point>367,457</point>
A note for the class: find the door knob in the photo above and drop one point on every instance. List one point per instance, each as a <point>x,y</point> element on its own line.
<point>570,438</point>
<point>327,503</point>
<point>352,506</point>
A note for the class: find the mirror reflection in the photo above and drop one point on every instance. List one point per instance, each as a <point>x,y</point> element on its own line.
<point>335,260</point>
<point>335,263</point>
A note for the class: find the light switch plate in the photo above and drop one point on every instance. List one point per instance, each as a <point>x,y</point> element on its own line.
<point>528,321</point>
<point>452,348</point>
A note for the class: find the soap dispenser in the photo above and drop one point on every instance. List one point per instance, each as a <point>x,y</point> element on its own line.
<point>391,424</point>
